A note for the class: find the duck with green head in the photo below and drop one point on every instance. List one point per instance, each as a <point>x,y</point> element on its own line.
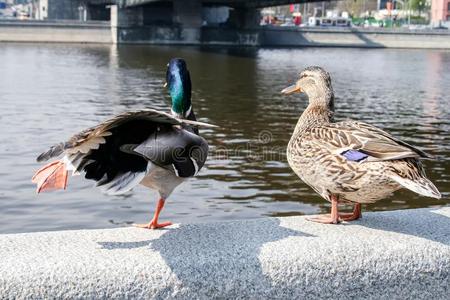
<point>178,82</point>
<point>149,147</point>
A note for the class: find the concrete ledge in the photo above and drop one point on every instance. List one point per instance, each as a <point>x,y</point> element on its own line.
<point>55,32</point>
<point>268,36</point>
<point>377,30</point>
<point>353,37</point>
<point>55,23</point>
<point>386,255</point>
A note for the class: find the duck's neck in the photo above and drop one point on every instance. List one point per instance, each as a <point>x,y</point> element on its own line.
<point>180,92</point>
<point>191,116</point>
<point>181,101</point>
<point>319,111</point>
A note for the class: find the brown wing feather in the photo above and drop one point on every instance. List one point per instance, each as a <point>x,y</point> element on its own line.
<point>93,136</point>
<point>389,142</point>
<point>376,143</point>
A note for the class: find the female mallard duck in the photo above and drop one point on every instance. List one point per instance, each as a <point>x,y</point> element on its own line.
<point>348,161</point>
<point>153,148</point>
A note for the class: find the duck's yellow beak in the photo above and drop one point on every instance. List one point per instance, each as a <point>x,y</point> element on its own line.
<point>295,88</point>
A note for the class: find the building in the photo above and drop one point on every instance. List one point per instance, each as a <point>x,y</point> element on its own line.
<point>40,8</point>
<point>440,12</point>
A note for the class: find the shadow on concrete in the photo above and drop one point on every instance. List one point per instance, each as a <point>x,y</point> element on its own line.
<point>299,37</point>
<point>425,223</point>
<point>223,252</point>
<point>368,42</point>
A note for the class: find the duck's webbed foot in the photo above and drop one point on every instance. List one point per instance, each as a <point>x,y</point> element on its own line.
<point>332,218</point>
<point>324,219</point>
<point>153,224</point>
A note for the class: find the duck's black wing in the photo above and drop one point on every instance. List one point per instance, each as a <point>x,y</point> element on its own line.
<point>101,151</point>
<point>90,138</point>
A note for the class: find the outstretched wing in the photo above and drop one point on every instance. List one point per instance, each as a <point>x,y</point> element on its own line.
<point>102,151</point>
<point>91,138</point>
<point>358,141</point>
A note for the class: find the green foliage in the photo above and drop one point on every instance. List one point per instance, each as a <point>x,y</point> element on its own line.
<point>354,7</point>
<point>418,5</point>
<point>419,20</point>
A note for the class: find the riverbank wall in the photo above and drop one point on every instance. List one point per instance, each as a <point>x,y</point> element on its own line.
<point>55,32</point>
<point>355,37</point>
<point>268,36</point>
<point>398,254</point>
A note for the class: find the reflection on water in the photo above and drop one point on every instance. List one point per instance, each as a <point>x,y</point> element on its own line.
<point>48,92</point>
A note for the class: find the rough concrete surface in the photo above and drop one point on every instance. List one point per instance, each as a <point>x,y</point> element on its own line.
<point>385,255</point>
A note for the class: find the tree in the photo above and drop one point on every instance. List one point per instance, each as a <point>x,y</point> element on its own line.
<point>418,5</point>
<point>357,7</point>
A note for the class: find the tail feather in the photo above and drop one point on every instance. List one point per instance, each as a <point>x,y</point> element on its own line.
<point>54,151</point>
<point>51,177</point>
<point>422,186</point>
<point>121,183</point>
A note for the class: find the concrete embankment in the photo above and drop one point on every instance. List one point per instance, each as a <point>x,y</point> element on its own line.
<point>55,32</point>
<point>353,37</point>
<point>385,255</point>
<point>269,36</point>
<point>288,37</point>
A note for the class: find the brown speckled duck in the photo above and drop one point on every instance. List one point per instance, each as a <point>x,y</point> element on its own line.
<point>349,161</point>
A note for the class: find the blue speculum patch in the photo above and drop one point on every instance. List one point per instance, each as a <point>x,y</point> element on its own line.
<point>354,155</point>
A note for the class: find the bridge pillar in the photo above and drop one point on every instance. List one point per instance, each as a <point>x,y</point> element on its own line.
<point>188,15</point>
<point>130,17</point>
<point>124,19</point>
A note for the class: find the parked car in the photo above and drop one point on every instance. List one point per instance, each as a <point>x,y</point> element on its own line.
<point>343,22</point>
<point>327,22</point>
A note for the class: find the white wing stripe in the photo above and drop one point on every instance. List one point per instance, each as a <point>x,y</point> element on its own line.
<point>195,165</point>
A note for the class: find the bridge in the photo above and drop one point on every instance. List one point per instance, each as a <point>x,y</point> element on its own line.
<point>229,3</point>
<point>184,21</point>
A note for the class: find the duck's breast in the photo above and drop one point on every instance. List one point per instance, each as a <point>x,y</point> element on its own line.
<point>162,180</point>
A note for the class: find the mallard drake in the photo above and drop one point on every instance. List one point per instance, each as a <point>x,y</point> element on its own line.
<point>348,161</point>
<point>149,147</point>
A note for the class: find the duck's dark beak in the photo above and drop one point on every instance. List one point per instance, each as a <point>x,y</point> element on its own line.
<point>295,88</point>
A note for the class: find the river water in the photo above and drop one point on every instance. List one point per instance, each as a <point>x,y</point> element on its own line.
<point>49,92</point>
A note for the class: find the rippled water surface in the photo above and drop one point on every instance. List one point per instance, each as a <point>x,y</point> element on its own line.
<point>48,92</point>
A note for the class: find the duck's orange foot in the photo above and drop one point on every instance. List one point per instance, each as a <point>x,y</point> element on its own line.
<point>51,177</point>
<point>153,225</point>
<point>355,215</point>
<point>324,219</point>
